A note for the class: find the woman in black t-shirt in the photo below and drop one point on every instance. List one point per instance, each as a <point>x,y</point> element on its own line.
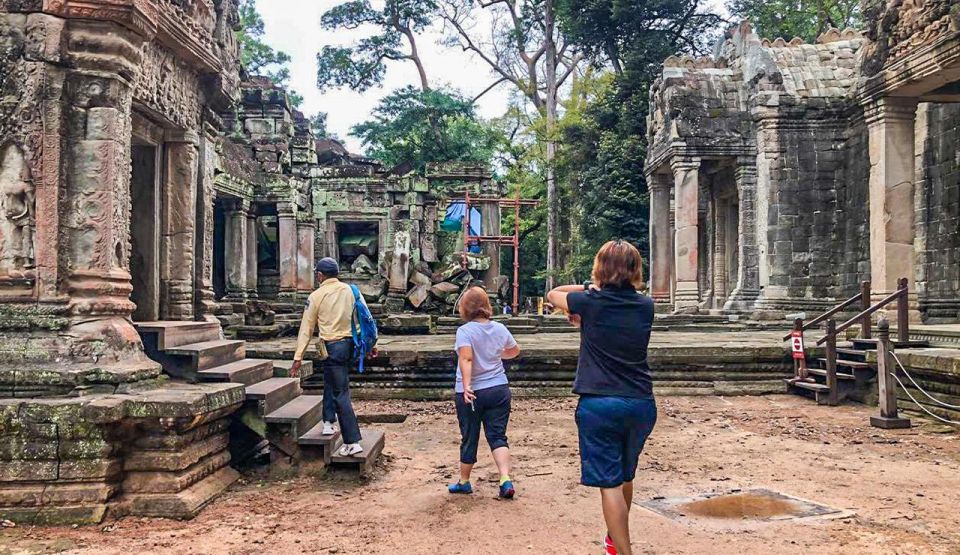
<point>616,412</point>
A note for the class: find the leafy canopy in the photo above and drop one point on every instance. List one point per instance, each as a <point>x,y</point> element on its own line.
<point>415,126</point>
<point>364,65</point>
<point>806,19</point>
<point>258,57</point>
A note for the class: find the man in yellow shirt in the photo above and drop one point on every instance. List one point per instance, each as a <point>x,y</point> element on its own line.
<point>330,308</point>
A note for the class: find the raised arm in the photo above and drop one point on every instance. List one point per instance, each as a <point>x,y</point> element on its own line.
<point>558,296</point>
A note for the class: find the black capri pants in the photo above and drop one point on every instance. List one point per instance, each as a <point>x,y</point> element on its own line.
<point>492,409</point>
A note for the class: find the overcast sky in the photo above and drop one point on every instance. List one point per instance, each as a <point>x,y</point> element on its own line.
<point>293,26</point>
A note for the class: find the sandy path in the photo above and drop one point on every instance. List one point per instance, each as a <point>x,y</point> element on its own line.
<point>902,484</point>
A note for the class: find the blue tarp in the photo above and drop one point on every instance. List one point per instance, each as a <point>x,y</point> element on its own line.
<point>453,221</point>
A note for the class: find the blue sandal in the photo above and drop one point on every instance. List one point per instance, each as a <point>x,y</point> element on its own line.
<point>460,488</point>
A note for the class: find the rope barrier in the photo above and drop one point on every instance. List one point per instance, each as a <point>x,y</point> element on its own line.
<point>915,384</point>
<point>934,399</point>
<point>923,408</point>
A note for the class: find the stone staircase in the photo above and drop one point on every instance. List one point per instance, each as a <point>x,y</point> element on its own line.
<point>276,409</point>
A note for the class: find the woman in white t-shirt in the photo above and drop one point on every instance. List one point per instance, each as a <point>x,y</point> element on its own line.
<point>482,390</point>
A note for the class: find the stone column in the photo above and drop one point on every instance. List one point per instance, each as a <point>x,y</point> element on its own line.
<point>203,294</point>
<point>179,201</point>
<point>251,255</point>
<point>747,290</point>
<point>890,122</point>
<point>661,254</point>
<point>490,222</point>
<point>719,249</point>
<point>287,239</point>
<point>305,257</point>
<point>235,250</point>
<point>686,172</point>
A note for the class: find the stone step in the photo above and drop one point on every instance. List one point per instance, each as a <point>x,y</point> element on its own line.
<point>372,443</point>
<point>281,369</point>
<point>315,445</point>
<point>169,334</point>
<point>208,354</point>
<point>273,393</point>
<point>248,372</point>
<point>822,372</point>
<point>302,413</point>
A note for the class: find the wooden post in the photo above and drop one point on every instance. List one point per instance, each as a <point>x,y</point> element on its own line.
<point>886,366</point>
<point>865,325</point>
<point>903,311</point>
<point>834,395</point>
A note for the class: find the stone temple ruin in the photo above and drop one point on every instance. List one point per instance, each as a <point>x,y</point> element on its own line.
<point>783,174</point>
<point>153,196</point>
<point>159,206</point>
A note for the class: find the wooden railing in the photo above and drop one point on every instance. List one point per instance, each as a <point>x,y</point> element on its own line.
<point>832,330</point>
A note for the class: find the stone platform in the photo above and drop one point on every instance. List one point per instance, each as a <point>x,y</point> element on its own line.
<point>684,362</point>
<point>161,452</point>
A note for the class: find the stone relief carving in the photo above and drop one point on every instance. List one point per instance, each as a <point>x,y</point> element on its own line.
<point>168,86</point>
<point>17,211</point>
<point>900,27</point>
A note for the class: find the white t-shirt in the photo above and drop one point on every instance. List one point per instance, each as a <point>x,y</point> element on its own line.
<point>488,341</point>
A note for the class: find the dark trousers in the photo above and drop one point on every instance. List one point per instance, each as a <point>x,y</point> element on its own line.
<point>492,410</point>
<point>336,389</point>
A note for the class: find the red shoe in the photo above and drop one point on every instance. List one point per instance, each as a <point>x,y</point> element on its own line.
<point>608,547</point>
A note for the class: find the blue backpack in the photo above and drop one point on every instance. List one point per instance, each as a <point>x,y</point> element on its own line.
<point>364,328</point>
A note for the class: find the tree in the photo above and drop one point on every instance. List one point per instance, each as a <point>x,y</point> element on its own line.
<point>806,19</point>
<point>364,65</point>
<point>604,124</point>
<point>318,123</point>
<point>258,57</point>
<point>523,48</point>
<point>419,127</point>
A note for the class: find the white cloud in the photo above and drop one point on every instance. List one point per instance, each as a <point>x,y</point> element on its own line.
<point>293,26</point>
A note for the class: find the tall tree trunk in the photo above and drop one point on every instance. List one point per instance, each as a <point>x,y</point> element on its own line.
<point>551,106</point>
<point>415,57</point>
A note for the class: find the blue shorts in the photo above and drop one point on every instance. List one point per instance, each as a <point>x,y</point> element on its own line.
<point>613,431</point>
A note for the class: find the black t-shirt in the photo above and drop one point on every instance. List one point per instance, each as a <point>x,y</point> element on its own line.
<point>615,331</point>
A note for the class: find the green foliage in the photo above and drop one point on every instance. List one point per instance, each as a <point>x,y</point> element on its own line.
<point>318,122</point>
<point>364,65</point>
<point>806,19</point>
<point>258,57</point>
<point>637,35</point>
<point>418,127</point>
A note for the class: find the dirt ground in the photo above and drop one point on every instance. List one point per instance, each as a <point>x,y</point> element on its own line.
<point>901,485</point>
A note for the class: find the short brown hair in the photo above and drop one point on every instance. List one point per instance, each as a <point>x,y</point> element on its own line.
<point>618,264</point>
<point>475,304</point>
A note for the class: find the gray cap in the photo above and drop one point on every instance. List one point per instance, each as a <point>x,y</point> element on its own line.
<point>328,267</point>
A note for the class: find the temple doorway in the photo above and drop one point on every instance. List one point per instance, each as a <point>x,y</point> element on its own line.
<point>144,232</point>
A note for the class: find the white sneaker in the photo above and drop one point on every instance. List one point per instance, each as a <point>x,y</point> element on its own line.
<point>328,429</point>
<point>349,450</point>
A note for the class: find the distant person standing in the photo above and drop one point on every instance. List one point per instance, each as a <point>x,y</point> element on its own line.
<point>482,391</point>
<point>617,411</point>
<point>330,308</point>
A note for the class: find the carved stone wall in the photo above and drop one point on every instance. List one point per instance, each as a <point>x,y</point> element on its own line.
<point>938,211</point>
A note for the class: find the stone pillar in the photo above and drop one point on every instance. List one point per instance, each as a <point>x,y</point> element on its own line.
<point>890,122</point>
<point>399,272</point>
<point>718,265</point>
<point>287,239</point>
<point>305,257</point>
<point>251,255</point>
<point>490,222</point>
<point>179,198</point>
<point>747,290</point>
<point>686,172</point>
<point>235,250</point>
<point>203,294</point>
<point>661,254</point>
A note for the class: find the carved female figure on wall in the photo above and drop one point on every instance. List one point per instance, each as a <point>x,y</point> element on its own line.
<point>17,205</point>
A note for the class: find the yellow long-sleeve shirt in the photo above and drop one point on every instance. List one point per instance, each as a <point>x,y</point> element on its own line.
<point>329,308</point>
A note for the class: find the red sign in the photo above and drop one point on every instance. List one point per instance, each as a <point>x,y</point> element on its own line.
<point>796,344</point>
